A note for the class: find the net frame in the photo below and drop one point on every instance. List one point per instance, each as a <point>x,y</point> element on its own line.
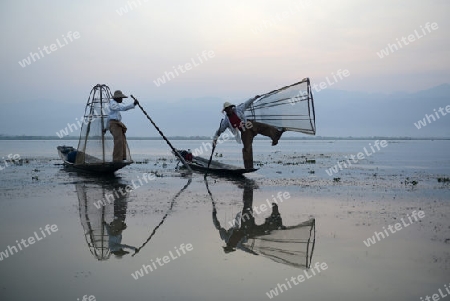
<point>95,145</point>
<point>92,218</point>
<point>301,238</point>
<point>299,113</point>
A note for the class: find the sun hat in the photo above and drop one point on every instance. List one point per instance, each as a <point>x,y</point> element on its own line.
<point>119,94</point>
<point>226,105</point>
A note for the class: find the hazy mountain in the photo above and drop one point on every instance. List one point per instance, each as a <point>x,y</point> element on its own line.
<point>338,113</point>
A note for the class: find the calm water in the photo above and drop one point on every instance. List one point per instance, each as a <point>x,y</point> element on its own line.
<point>93,251</point>
<point>398,154</point>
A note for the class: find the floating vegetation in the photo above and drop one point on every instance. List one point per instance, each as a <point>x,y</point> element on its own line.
<point>145,161</point>
<point>157,174</point>
<point>443,180</point>
<point>409,182</point>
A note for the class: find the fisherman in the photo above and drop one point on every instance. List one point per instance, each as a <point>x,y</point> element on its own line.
<point>239,125</point>
<point>116,127</point>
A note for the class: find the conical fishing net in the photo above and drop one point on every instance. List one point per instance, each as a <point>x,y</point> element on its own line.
<point>96,143</point>
<point>291,107</point>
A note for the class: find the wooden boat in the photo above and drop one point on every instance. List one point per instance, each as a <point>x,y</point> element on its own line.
<point>95,146</point>
<point>201,164</point>
<point>69,153</point>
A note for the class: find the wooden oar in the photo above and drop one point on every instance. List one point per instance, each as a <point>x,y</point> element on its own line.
<point>176,153</point>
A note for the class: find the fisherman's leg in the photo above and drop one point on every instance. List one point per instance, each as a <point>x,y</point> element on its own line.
<point>269,131</point>
<point>247,150</point>
<point>117,133</point>
<point>124,146</point>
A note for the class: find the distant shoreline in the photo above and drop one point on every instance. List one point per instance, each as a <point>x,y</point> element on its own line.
<point>4,137</point>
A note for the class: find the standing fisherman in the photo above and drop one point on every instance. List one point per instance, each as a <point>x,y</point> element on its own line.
<point>116,127</point>
<point>238,124</point>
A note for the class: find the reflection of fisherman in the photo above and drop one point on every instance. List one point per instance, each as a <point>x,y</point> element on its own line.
<point>115,228</point>
<point>244,225</point>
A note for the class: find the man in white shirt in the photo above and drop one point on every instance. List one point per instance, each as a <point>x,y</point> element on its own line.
<point>239,125</point>
<point>116,127</point>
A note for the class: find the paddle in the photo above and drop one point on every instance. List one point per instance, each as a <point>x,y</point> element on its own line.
<point>176,153</point>
<point>212,151</point>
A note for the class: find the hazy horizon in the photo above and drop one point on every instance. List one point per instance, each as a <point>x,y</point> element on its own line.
<point>182,62</point>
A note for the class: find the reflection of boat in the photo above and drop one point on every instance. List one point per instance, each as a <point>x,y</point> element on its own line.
<point>291,245</point>
<point>95,146</point>
<point>201,164</point>
<point>102,208</point>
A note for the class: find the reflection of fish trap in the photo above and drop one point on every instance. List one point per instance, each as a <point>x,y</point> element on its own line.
<point>92,218</point>
<point>292,245</point>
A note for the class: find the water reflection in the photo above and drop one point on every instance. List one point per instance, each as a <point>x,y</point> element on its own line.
<point>291,245</point>
<point>103,207</point>
<point>152,233</point>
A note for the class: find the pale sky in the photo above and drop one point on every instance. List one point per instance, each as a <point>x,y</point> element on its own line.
<point>257,46</point>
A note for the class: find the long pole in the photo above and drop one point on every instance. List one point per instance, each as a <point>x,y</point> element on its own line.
<point>176,153</point>
<point>212,151</point>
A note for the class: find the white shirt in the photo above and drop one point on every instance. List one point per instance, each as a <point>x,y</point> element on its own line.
<point>240,112</point>
<point>115,108</point>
